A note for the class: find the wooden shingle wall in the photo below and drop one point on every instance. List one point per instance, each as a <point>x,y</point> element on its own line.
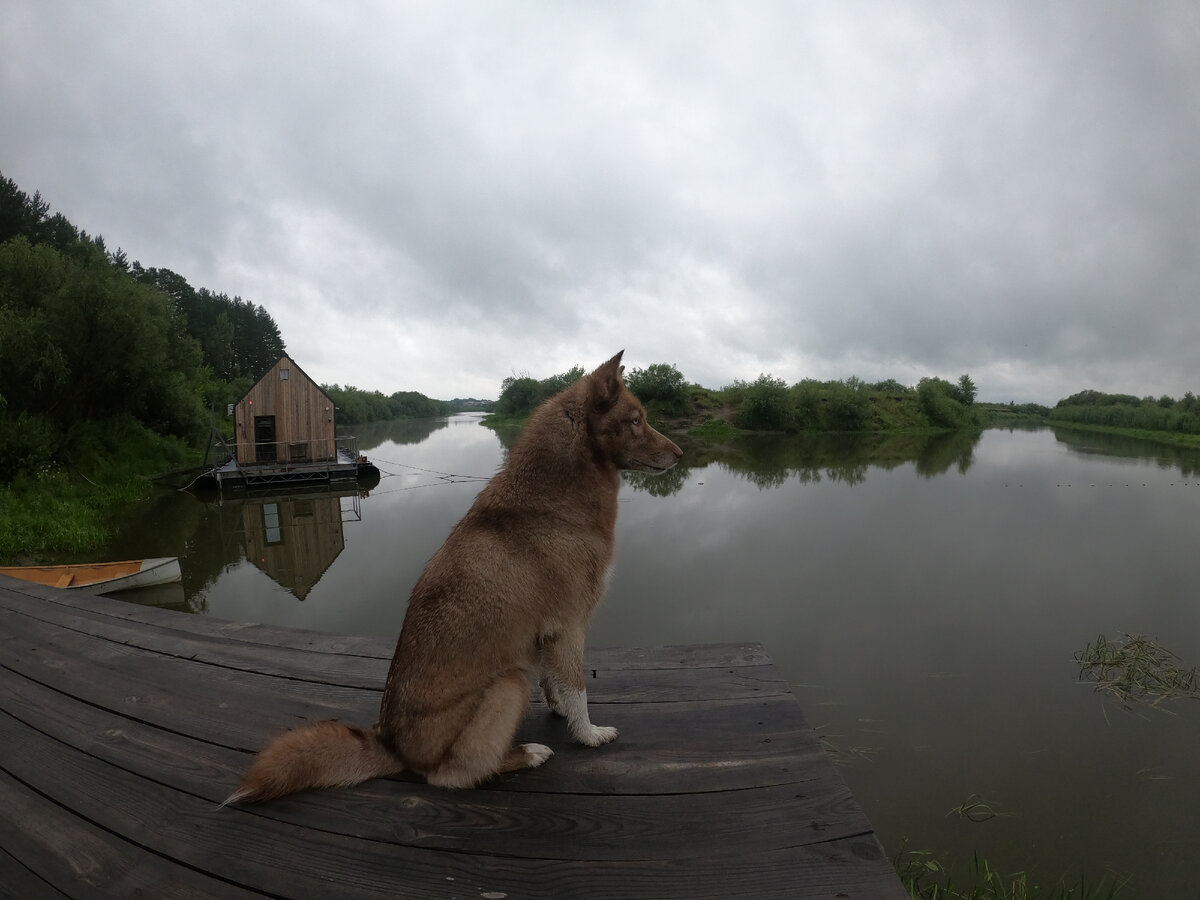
<point>304,416</point>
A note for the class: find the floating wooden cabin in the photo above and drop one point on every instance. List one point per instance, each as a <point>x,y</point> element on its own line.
<point>286,417</point>
<point>285,430</point>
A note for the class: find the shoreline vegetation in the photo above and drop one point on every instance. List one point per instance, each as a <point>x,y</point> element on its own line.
<point>768,404</point>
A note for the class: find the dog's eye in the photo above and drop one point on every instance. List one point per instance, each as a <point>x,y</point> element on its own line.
<point>637,420</point>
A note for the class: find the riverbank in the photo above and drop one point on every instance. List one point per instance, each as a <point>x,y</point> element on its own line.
<point>56,514</point>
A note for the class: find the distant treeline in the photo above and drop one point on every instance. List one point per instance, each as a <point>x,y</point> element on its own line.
<point>1126,411</point>
<point>356,406</point>
<point>770,404</point>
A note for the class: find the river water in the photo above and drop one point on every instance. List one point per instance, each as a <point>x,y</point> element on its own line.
<point>924,596</point>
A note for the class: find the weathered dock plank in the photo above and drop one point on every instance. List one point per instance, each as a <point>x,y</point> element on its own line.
<point>122,727</point>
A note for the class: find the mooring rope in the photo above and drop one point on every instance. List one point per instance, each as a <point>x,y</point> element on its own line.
<point>444,475</point>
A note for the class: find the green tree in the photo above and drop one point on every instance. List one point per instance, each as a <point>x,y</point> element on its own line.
<point>661,384</point>
<point>965,394</point>
<point>847,405</point>
<point>767,406</point>
<point>20,214</point>
<point>89,340</point>
<point>942,403</point>
<point>520,395</point>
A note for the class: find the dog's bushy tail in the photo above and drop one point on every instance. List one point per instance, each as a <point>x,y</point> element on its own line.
<point>325,754</point>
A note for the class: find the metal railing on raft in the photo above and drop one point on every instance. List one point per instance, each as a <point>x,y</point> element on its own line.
<point>320,450</point>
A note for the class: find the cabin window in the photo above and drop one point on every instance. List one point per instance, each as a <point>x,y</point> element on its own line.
<point>283,374</point>
<point>274,533</point>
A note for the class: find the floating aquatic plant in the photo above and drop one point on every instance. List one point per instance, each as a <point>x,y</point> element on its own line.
<point>976,809</point>
<point>1136,669</point>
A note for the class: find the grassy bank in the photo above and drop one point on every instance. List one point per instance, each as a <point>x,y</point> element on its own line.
<point>53,512</point>
<point>926,878</point>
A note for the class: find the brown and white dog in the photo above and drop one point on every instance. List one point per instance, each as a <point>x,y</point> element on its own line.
<point>509,594</point>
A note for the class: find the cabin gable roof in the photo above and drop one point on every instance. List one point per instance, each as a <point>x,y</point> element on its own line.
<point>294,366</point>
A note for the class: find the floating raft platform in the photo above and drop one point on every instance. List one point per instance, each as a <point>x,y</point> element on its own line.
<point>123,727</point>
<point>344,467</point>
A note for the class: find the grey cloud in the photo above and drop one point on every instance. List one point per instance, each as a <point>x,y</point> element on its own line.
<point>819,190</point>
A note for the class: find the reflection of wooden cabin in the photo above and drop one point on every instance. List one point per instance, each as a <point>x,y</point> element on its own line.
<point>294,540</point>
<point>285,418</point>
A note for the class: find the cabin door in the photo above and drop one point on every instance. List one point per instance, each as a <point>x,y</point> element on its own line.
<point>264,439</point>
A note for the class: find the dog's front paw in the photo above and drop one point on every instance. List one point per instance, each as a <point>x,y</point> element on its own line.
<point>595,735</point>
<point>536,754</point>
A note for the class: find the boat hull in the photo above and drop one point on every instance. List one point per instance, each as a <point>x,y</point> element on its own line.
<point>102,578</point>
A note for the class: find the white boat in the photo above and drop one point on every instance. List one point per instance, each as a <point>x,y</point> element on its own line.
<point>104,577</point>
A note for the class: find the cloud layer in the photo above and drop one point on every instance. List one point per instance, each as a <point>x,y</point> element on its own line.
<point>431,196</point>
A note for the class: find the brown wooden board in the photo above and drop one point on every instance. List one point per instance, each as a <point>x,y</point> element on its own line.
<point>303,414</point>
<point>17,881</point>
<point>64,854</point>
<point>240,847</point>
<point>617,681</point>
<point>119,733</point>
<point>208,770</point>
<point>688,656</point>
<point>241,710</point>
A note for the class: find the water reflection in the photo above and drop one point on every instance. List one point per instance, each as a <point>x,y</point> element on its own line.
<point>399,431</point>
<point>295,539</point>
<point>164,596</point>
<point>770,460</point>
<point>1166,456</point>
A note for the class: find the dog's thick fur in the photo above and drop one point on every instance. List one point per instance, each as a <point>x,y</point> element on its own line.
<point>509,594</point>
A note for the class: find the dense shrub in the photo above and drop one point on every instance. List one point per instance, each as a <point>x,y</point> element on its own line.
<point>767,406</point>
<point>1127,411</point>
<point>28,444</point>
<point>943,403</point>
<point>520,395</point>
<point>662,385</point>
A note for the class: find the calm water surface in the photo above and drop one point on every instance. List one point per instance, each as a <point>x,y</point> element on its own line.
<point>924,598</point>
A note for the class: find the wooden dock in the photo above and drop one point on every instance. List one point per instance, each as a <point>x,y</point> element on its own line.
<point>122,727</point>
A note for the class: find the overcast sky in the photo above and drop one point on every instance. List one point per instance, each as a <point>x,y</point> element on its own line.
<point>433,196</point>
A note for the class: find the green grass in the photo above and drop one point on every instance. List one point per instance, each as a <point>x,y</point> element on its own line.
<point>496,420</point>
<point>714,430</point>
<point>54,514</point>
<point>926,877</point>
<point>56,511</point>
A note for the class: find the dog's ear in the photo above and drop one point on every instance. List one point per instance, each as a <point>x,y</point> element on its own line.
<point>606,384</point>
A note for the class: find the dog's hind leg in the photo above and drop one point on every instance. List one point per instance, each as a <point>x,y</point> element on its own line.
<point>561,660</point>
<point>485,746</point>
